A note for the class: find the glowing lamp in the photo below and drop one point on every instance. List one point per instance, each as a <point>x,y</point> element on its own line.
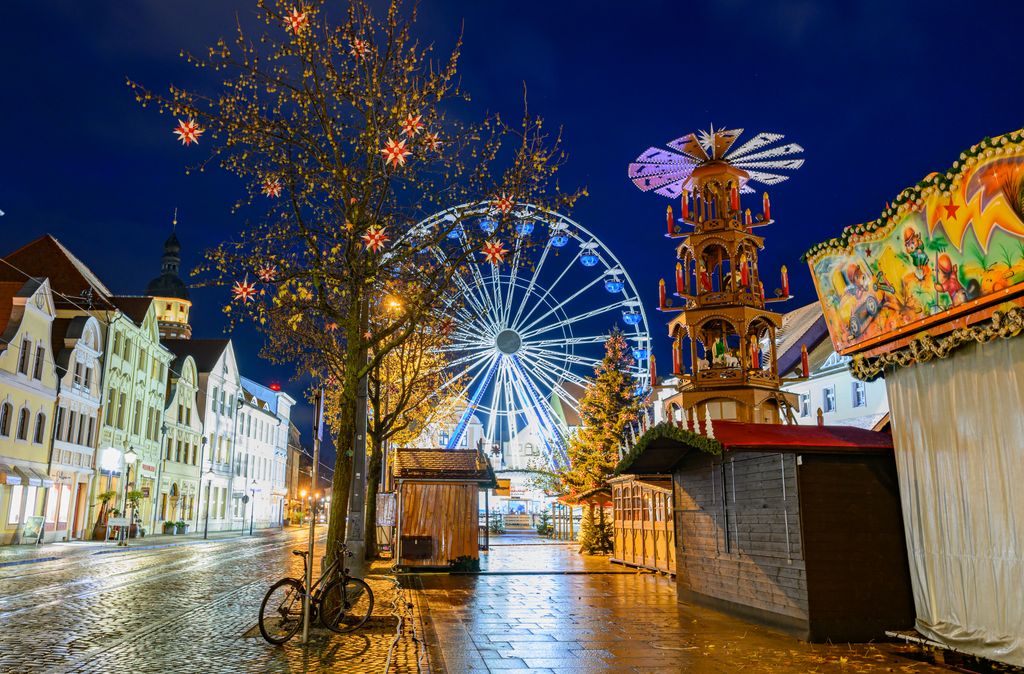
<point>614,285</point>
<point>275,386</point>
<point>110,459</point>
<point>130,457</point>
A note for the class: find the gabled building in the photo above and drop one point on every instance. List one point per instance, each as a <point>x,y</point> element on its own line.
<point>263,452</point>
<point>78,354</point>
<point>841,399</point>
<point>28,388</point>
<point>219,401</point>
<point>178,490</point>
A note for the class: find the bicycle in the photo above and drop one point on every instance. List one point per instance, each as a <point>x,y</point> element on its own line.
<point>338,601</point>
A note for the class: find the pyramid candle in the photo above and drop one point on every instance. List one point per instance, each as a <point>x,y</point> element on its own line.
<point>767,208</point>
<point>668,220</point>
<point>685,205</point>
<point>734,198</point>
<point>661,294</point>
<point>803,361</point>
<point>785,282</point>
<point>679,277</point>
<point>677,352</point>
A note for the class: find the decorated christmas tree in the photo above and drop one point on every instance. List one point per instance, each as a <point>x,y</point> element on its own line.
<point>595,532</point>
<point>544,523</point>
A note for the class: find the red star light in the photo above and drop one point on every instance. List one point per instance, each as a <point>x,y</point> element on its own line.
<point>432,141</point>
<point>331,327</point>
<point>494,252</point>
<point>412,124</point>
<point>359,48</point>
<point>374,239</point>
<point>267,273</point>
<point>244,291</point>
<point>296,22</point>
<point>272,187</point>
<point>951,209</point>
<point>395,152</point>
<point>504,203</point>
<point>188,132</point>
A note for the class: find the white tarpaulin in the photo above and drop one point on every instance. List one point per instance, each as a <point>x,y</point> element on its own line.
<point>958,430</point>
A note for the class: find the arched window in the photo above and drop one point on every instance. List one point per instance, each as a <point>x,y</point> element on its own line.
<point>37,437</point>
<point>6,412</point>
<point>23,424</point>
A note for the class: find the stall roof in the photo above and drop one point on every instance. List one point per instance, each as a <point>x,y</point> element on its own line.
<point>455,465</point>
<point>661,448</point>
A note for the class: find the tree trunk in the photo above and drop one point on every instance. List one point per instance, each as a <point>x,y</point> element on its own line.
<point>373,475</point>
<point>342,482</point>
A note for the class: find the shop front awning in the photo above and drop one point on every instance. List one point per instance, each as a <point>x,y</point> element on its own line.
<point>33,477</point>
<point>8,475</point>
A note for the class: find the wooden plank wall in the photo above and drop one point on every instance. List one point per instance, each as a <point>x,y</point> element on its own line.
<point>445,511</point>
<point>737,522</point>
<point>644,531</point>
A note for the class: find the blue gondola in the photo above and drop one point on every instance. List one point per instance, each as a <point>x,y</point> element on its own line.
<point>524,227</point>
<point>559,240</point>
<point>640,353</point>
<point>488,226</point>
<point>614,285</point>
<point>589,259</point>
<point>456,232</point>
<point>630,317</point>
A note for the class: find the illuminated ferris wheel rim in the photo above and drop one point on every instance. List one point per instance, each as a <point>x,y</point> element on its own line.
<point>517,338</point>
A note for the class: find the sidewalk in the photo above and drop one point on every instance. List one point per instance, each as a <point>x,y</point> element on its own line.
<point>14,555</point>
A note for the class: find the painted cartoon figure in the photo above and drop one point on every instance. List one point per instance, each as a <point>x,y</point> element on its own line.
<point>858,305</point>
<point>914,246</point>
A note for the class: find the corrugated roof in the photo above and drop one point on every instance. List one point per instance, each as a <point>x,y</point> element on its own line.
<point>801,327</point>
<point>442,464</point>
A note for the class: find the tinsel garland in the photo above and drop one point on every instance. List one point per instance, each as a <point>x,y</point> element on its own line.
<point>668,430</point>
<point>922,349</point>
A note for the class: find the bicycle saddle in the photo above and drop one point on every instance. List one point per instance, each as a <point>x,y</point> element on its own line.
<point>300,553</point>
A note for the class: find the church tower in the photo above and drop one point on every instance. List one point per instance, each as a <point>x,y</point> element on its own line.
<point>170,293</point>
<point>721,325</point>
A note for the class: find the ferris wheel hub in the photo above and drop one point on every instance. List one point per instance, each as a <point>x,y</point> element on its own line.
<point>508,341</point>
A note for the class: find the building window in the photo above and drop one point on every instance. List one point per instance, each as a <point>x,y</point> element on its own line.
<point>444,438</point>
<point>138,417</point>
<point>6,412</point>
<point>89,436</point>
<point>14,514</point>
<point>37,369</point>
<point>72,416</point>
<point>122,402</point>
<point>860,394</point>
<point>23,424</point>
<point>805,404</point>
<point>37,437</point>
<point>23,358</point>
<point>77,381</point>
<point>828,399</point>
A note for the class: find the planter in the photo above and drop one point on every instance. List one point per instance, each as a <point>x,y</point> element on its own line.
<point>181,528</point>
<point>169,528</point>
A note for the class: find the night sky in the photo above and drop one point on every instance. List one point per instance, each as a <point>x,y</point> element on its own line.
<point>878,92</point>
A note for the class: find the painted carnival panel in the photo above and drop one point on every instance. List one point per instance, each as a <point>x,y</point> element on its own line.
<point>942,249</point>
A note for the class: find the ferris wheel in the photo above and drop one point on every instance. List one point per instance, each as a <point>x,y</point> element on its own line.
<point>528,332</point>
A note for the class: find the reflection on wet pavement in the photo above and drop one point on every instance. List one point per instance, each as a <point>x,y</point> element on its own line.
<point>547,621</point>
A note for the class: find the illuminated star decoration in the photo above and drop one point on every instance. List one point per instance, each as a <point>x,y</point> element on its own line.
<point>244,291</point>
<point>267,273</point>
<point>951,209</point>
<point>667,172</point>
<point>359,48</point>
<point>432,141</point>
<point>494,252</point>
<point>188,132</point>
<point>272,187</point>
<point>504,203</point>
<point>331,327</point>
<point>412,124</point>
<point>375,238</point>
<point>296,22</point>
<point>395,152</point>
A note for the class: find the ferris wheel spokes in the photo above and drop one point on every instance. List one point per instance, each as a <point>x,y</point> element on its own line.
<point>526,328</point>
<point>550,288</point>
<point>574,319</point>
<point>533,282</point>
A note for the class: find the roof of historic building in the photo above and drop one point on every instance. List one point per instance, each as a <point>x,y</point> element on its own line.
<point>133,307</point>
<point>801,327</point>
<point>8,291</point>
<point>169,283</point>
<point>46,256</point>
<point>458,465</point>
<point>206,352</point>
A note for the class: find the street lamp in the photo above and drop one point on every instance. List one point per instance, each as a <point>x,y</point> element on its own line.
<point>159,475</point>
<point>202,461</point>
<point>206,523</point>
<point>252,505</point>
<point>129,460</point>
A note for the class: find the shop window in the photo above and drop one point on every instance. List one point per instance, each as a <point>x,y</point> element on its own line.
<point>14,513</point>
<point>828,399</point>
<point>52,496</point>
<point>860,394</point>
<point>65,503</point>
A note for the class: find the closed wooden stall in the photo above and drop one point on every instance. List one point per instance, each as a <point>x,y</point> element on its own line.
<point>644,530</point>
<point>438,507</point>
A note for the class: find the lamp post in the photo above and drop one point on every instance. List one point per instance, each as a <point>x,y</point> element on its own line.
<point>252,505</point>
<point>202,460</point>
<point>159,474</point>
<point>209,483</point>
<point>129,460</point>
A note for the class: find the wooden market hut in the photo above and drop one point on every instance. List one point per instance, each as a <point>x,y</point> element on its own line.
<point>438,506</point>
<point>644,531</point>
<point>796,527</point>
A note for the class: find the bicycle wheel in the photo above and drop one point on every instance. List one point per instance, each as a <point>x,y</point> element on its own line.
<point>346,605</point>
<point>281,611</point>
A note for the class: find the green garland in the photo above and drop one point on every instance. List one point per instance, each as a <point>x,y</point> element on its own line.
<point>925,347</point>
<point>911,195</point>
<point>668,430</point>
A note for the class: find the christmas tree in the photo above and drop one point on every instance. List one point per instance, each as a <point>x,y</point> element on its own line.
<point>595,533</point>
<point>608,405</point>
<point>544,525</point>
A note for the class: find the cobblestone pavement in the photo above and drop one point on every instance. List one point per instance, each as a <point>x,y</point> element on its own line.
<point>527,614</point>
<point>182,608</point>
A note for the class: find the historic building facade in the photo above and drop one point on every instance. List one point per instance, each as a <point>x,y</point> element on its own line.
<point>263,452</point>
<point>178,490</point>
<point>28,388</point>
<point>171,294</point>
